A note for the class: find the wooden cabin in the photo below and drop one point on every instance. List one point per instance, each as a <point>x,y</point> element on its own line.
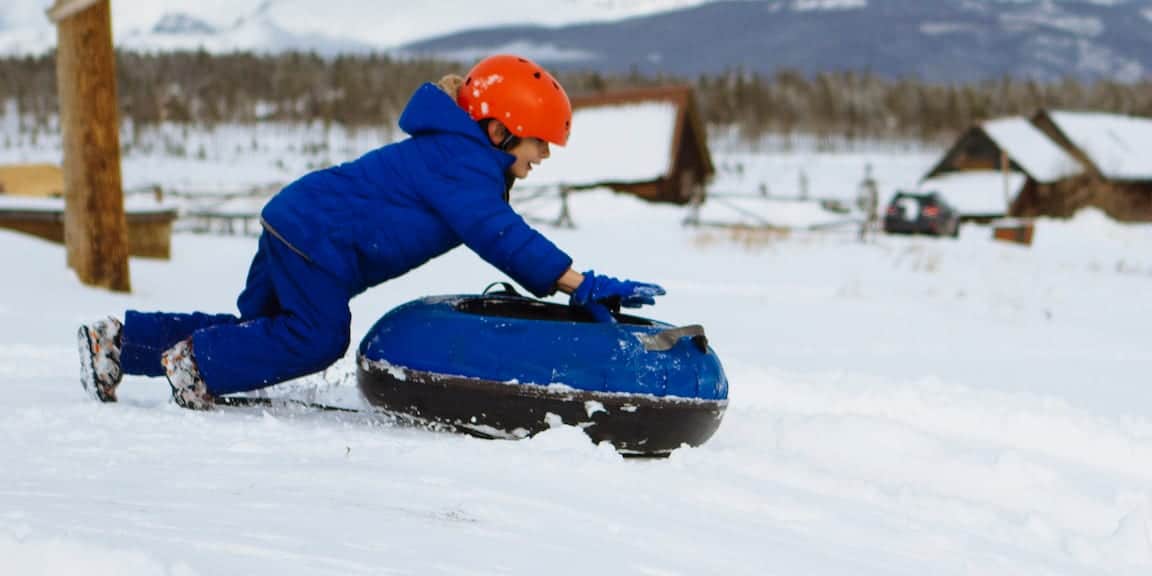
<point>36,180</point>
<point>1062,161</point>
<point>996,163</point>
<point>32,202</point>
<point>649,142</point>
<point>1114,151</point>
<point>149,223</point>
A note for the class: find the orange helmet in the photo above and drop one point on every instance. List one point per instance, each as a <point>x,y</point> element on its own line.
<point>521,95</point>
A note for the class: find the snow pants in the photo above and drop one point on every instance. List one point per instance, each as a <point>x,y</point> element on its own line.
<point>294,320</point>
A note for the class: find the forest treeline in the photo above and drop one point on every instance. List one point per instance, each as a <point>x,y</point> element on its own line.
<point>370,90</point>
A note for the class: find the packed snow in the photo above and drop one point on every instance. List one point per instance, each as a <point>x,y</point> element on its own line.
<point>900,406</point>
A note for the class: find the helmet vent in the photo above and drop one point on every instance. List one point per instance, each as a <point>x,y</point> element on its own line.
<point>536,75</point>
<point>468,81</point>
<point>555,85</point>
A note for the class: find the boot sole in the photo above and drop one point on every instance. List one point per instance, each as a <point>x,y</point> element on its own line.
<point>177,392</point>
<point>88,369</point>
<point>178,399</point>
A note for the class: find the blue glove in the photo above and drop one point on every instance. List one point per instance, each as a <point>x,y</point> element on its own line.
<point>598,293</point>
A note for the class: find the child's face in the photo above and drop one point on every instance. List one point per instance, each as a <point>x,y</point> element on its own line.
<point>529,152</point>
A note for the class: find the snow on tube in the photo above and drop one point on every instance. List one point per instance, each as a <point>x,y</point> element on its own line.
<point>501,365</point>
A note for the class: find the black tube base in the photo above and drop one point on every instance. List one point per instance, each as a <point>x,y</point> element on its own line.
<point>634,424</point>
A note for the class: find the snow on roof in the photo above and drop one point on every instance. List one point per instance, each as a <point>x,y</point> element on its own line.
<point>601,150</point>
<point>1120,146</point>
<point>1033,150</point>
<point>132,204</point>
<point>976,193</point>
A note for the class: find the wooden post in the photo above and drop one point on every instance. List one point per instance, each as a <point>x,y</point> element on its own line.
<point>95,228</point>
<point>1004,165</point>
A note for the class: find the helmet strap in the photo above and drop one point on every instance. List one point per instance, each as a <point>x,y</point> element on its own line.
<point>510,141</point>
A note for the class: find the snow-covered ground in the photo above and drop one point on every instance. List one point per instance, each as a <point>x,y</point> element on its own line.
<point>905,406</point>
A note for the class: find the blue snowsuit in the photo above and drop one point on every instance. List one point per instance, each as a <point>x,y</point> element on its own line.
<point>334,233</point>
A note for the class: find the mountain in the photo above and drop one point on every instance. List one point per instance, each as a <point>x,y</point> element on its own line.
<point>946,41</point>
<point>935,40</point>
<point>327,27</point>
<point>260,31</point>
<point>179,23</point>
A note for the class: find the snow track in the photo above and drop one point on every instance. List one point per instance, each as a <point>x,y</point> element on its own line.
<point>905,407</point>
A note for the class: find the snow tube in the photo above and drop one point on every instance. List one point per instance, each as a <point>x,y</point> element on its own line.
<point>501,365</point>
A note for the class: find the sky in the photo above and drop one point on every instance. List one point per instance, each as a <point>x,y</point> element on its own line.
<point>384,23</point>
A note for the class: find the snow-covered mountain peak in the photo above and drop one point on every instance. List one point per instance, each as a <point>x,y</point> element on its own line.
<point>1052,16</point>
<point>180,23</point>
<point>264,14</point>
<point>955,40</point>
<point>378,24</point>
<point>267,28</point>
<point>827,5</point>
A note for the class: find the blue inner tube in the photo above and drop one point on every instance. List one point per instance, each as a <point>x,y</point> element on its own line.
<point>498,364</point>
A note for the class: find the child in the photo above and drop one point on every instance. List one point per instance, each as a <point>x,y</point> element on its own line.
<point>334,233</point>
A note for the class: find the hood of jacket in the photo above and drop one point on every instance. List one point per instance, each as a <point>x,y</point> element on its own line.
<point>431,111</point>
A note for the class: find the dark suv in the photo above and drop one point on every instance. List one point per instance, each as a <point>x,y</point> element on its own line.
<point>921,213</point>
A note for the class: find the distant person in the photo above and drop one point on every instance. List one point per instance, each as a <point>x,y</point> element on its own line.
<point>868,201</point>
<point>334,233</point>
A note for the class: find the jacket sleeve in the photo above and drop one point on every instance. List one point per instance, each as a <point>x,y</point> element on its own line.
<point>473,206</point>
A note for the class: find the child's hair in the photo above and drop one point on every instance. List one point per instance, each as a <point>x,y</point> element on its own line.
<point>451,84</point>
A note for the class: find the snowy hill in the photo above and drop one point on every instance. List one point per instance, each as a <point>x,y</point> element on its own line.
<point>906,406</point>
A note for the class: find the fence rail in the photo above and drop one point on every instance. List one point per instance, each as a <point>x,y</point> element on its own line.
<point>231,212</point>
<point>237,212</point>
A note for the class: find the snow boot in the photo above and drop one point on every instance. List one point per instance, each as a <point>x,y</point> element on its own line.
<point>99,345</point>
<point>188,389</point>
